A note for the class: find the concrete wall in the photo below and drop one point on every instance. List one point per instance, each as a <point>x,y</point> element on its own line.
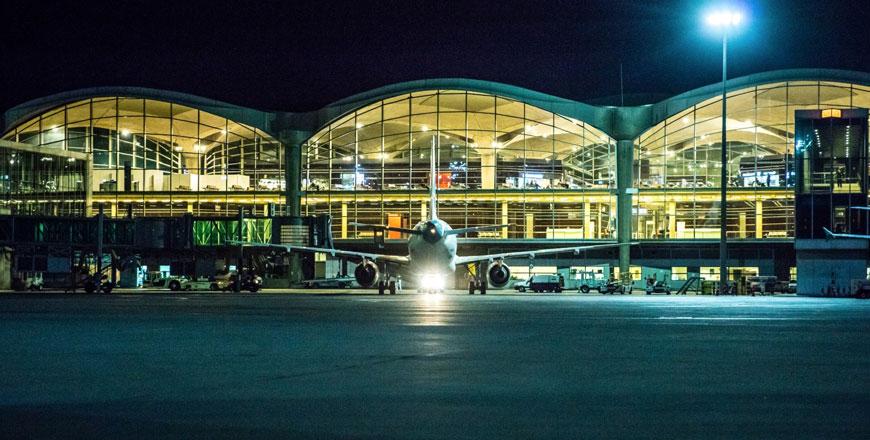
<point>828,267</point>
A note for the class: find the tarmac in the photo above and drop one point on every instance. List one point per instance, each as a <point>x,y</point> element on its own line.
<point>361,366</point>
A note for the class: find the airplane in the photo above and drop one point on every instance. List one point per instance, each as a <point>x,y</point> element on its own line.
<point>829,234</point>
<point>432,253</point>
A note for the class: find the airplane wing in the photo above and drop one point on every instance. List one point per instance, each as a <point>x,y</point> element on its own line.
<point>385,227</point>
<point>829,234</point>
<point>534,253</point>
<point>353,254</point>
<point>475,229</point>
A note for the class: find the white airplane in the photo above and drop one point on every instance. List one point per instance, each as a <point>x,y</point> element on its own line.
<point>829,234</point>
<point>432,253</point>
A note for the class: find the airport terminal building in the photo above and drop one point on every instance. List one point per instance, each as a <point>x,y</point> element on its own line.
<point>556,170</point>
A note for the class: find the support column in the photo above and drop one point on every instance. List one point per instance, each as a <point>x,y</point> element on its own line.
<point>101,216</point>
<point>423,213</point>
<point>596,227</point>
<point>672,219</point>
<point>293,179</point>
<point>240,262</point>
<point>89,183</point>
<point>344,220</point>
<point>759,222</point>
<point>530,225</point>
<point>587,220</point>
<point>504,219</point>
<point>487,170</point>
<point>741,225</point>
<point>292,141</point>
<point>624,179</point>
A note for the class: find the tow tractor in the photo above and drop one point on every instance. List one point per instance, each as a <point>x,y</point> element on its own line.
<point>329,283</point>
<point>610,287</point>
<point>658,287</point>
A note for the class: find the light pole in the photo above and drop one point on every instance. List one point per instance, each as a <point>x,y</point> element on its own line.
<point>724,20</point>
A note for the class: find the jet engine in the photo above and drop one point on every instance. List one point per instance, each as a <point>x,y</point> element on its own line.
<point>499,274</point>
<point>366,274</point>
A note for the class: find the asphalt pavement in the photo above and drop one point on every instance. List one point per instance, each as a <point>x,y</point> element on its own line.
<point>433,366</point>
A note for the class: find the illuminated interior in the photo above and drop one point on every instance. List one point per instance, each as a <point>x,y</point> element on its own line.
<point>499,161</point>
<point>34,182</point>
<point>677,162</point>
<point>162,158</point>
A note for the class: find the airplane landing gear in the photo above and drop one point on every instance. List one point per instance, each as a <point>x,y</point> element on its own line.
<point>476,285</point>
<point>477,280</point>
<point>387,285</point>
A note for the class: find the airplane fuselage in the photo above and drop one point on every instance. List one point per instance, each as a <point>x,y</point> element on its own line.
<point>432,251</point>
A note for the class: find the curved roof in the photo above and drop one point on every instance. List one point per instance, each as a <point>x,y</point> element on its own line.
<point>255,118</point>
<point>553,104</point>
<point>617,122</point>
<point>678,103</point>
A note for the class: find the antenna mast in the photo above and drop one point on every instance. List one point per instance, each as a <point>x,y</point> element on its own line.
<point>621,90</point>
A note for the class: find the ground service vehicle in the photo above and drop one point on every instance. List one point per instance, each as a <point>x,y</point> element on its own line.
<point>611,287</point>
<point>658,287</point>
<point>203,284</point>
<point>28,281</point>
<point>762,284</point>
<point>249,281</point>
<point>545,283</point>
<point>330,283</point>
<point>172,283</point>
<point>521,286</point>
<point>98,283</point>
<point>584,282</point>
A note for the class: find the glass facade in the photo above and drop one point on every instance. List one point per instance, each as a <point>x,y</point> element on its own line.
<point>35,183</point>
<point>162,158</point>
<point>498,161</point>
<point>831,172</point>
<point>677,162</point>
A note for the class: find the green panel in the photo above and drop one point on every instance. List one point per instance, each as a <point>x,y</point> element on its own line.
<point>257,230</point>
<point>217,232</point>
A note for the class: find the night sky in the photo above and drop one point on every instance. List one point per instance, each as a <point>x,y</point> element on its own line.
<point>300,56</point>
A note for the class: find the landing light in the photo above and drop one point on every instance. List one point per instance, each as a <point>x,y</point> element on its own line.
<point>432,282</point>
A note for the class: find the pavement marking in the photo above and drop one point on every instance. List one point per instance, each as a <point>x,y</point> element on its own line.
<point>729,318</point>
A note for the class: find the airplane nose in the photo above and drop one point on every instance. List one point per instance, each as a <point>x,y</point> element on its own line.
<point>432,234</point>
